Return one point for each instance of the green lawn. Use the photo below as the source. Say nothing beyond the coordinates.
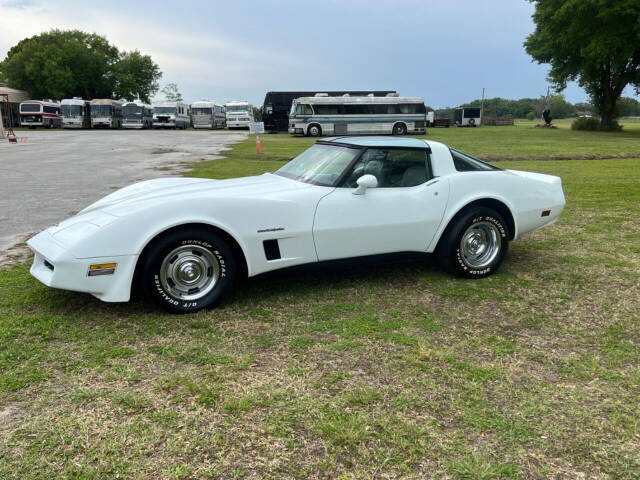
(382, 371)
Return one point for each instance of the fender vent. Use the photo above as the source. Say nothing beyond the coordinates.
(271, 249)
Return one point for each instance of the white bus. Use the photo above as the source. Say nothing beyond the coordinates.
(75, 113)
(137, 115)
(239, 114)
(40, 113)
(347, 115)
(206, 114)
(106, 112)
(467, 117)
(171, 115)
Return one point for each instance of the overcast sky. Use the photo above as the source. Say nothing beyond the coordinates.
(444, 51)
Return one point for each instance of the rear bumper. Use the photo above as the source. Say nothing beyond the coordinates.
(56, 267)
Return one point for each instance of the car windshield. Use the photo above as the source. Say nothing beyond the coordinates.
(320, 164)
(164, 110)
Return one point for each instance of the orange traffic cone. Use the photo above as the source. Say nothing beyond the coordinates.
(258, 145)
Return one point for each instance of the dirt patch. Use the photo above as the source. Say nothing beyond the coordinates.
(9, 415)
(18, 253)
(161, 151)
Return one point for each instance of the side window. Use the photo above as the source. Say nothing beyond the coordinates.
(467, 163)
(393, 168)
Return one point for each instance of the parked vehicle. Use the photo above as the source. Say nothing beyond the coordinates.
(106, 112)
(239, 114)
(347, 115)
(186, 241)
(171, 115)
(206, 114)
(40, 113)
(431, 117)
(75, 113)
(137, 115)
(277, 105)
(467, 117)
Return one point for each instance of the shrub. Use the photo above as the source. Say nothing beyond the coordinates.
(531, 116)
(593, 124)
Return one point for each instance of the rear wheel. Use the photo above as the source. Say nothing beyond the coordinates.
(475, 243)
(399, 129)
(187, 270)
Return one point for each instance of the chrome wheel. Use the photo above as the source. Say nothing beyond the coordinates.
(189, 272)
(480, 244)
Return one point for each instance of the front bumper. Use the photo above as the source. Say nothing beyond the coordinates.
(133, 125)
(56, 267)
(296, 131)
(168, 124)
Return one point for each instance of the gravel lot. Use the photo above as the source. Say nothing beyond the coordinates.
(57, 173)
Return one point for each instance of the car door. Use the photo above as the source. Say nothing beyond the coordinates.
(401, 214)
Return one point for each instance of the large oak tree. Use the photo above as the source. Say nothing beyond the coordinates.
(63, 64)
(593, 42)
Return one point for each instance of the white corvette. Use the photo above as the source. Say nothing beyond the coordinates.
(186, 241)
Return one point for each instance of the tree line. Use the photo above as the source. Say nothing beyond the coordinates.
(532, 107)
(71, 63)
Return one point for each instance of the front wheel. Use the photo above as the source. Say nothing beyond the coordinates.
(475, 243)
(187, 270)
(314, 131)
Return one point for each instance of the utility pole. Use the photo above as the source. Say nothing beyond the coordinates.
(482, 107)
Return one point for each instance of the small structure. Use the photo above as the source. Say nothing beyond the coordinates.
(15, 97)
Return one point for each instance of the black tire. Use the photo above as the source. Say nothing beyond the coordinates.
(470, 230)
(181, 245)
(314, 131)
(399, 129)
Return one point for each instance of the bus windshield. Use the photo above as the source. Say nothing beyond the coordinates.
(201, 111)
(320, 164)
(164, 110)
(100, 110)
(30, 107)
(237, 108)
(132, 111)
(71, 110)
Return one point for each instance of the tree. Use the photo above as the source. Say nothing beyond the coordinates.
(628, 107)
(136, 76)
(69, 63)
(593, 42)
(171, 92)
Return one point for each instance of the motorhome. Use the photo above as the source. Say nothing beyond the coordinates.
(239, 114)
(348, 115)
(206, 114)
(276, 106)
(40, 113)
(75, 113)
(106, 112)
(467, 117)
(171, 115)
(137, 115)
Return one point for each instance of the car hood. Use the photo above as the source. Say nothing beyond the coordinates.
(165, 189)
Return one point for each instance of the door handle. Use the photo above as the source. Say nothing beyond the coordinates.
(432, 181)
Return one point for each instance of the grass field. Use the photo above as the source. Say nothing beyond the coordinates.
(383, 371)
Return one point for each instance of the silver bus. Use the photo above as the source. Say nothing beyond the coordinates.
(106, 112)
(347, 115)
(206, 114)
(75, 113)
(137, 115)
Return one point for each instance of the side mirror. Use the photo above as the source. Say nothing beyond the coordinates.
(364, 182)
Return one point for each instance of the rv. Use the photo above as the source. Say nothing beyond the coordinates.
(171, 115)
(347, 115)
(206, 114)
(37, 113)
(467, 117)
(277, 105)
(75, 113)
(106, 113)
(137, 115)
(239, 114)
